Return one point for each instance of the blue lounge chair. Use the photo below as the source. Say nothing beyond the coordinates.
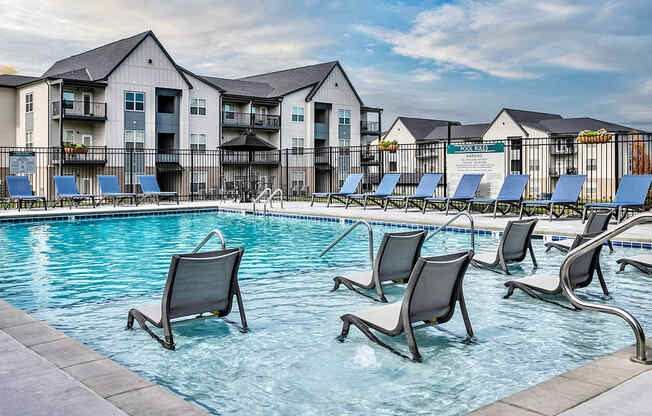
(631, 194)
(109, 189)
(566, 194)
(511, 194)
(465, 192)
(385, 189)
(20, 190)
(150, 188)
(67, 190)
(350, 185)
(425, 189)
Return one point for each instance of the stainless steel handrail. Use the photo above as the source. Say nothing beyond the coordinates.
(449, 222)
(345, 233)
(260, 196)
(641, 349)
(208, 237)
(271, 199)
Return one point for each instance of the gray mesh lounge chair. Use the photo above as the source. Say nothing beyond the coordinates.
(581, 275)
(434, 286)
(110, 189)
(150, 188)
(643, 262)
(196, 284)
(67, 190)
(514, 245)
(21, 191)
(394, 261)
(597, 223)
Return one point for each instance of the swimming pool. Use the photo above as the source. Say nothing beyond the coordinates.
(83, 276)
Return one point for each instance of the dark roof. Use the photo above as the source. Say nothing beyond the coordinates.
(16, 80)
(293, 79)
(421, 127)
(465, 131)
(245, 88)
(100, 62)
(524, 116)
(575, 125)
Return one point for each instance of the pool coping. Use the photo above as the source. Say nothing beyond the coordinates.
(110, 381)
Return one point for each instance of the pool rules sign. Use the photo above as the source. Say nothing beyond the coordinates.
(485, 158)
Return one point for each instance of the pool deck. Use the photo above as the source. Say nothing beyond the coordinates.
(43, 371)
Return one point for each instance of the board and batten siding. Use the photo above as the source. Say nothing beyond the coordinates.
(208, 124)
(8, 109)
(503, 127)
(291, 129)
(39, 120)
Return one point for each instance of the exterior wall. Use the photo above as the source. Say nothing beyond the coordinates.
(7, 116)
(289, 128)
(208, 124)
(400, 133)
(39, 119)
(503, 128)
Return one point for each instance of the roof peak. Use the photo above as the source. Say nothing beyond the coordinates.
(145, 33)
(336, 62)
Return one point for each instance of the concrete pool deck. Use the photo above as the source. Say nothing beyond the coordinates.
(43, 371)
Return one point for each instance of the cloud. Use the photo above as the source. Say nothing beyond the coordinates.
(424, 75)
(7, 70)
(521, 39)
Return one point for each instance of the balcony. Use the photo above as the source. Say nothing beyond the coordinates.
(163, 156)
(322, 158)
(555, 173)
(84, 157)
(428, 153)
(251, 120)
(271, 158)
(79, 110)
(321, 131)
(369, 127)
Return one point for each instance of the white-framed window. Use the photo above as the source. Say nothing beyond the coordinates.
(198, 182)
(297, 145)
(344, 117)
(68, 99)
(29, 102)
(298, 180)
(134, 139)
(592, 164)
(592, 186)
(298, 113)
(134, 101)
(87, 140)
(534, 165)
(68, 136)
(229, 114)
(198, 142)
(198, 106)
(29, 141)
(86, 185)
(344, 142)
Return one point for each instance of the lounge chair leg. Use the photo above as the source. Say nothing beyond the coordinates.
(364, 207)
(168, 343)
(584, 215)
(465, 316)
(345, 330)
(447, 203)
(312, 201)
(412, 344)
(611, 246)
(534, 260)
(603, 284)
(520, 217)
(552, 210)
(328, 201)
(346, 206)
(243, 318)
(495, 208)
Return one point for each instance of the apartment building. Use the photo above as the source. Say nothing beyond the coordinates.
(131, 94)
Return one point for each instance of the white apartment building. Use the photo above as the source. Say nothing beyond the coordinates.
(132, 94)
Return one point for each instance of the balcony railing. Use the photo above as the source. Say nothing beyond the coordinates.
(167, 156)
(85, 156)
(79, 110)
(555, 173)
(369, 127)
(322, 158)
(256, 121)
(321, 131)
(258, 158)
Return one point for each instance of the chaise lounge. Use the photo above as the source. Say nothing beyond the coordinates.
(21, 191)
(67, 191)
(631, 194)
(596, 224)
(566, 194)
(464, 193)
(109, 189)
(642, 262)
(150, 188)
(510, 195)
(425, 189)
(385, 189)
(348, 187)
(514, 245)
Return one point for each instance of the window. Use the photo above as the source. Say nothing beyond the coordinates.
(134, 139)
(134, 161)
(87, 140)
(298, 179)
(198, 184)
(393, 166)
(29, 102)
(592, 164)
(228, 112)
(534, 165)
(297, 113)
(134, 101)
(28, 139)
(68, 136)
(68, 99)
(198, 142)
(592, 186)
(344, 117)
(297, 145)
(198, 106)
(86, 186)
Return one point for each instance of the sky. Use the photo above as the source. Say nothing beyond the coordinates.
(459, 60)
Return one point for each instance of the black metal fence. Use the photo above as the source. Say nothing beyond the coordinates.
(216, 174)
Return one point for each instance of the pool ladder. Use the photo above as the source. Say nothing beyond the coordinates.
(641, 349)
(270, 198)
(210, 235)
(452, 220)
(347, 232)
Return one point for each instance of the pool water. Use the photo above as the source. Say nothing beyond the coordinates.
(82, 277)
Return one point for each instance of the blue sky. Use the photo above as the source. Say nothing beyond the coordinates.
(461, 60)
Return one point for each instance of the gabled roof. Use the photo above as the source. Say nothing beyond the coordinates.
(577, 124)
(290, 80)
(13, 81)
(524, 116)
(421, 127)
(244, 88)
(465, 131)
(100, 62)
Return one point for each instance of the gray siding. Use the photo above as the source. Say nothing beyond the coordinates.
(167, 123)
(134, 120)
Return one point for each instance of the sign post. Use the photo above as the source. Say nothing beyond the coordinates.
(485, 158)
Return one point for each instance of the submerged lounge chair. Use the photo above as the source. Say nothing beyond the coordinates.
(581, 275)
(511, 194)
(465, 192)
(67, 190)
(643, 262)
(434, 286)
(385, 189)
(150, 188)
(425, 189)
(567, 192)
(394, 261)
(596, 224)
(20, 190)
(196, 284)
(514, 245)
(348, 187)
(109, 188)
(631, 194)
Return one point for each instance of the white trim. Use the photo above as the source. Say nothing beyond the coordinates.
(124, 100)
(84, 136)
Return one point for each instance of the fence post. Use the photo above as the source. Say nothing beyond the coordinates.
(445, 168)
(287, 174)
(192, 172)
(616, 166)
(131, 169)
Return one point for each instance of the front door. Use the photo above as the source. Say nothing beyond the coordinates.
(88, 107)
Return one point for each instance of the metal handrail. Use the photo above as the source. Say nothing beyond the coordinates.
(449, 222)
(271, 199)
(260, 196)
(345, 233)
(641, 353)
(208, 237)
